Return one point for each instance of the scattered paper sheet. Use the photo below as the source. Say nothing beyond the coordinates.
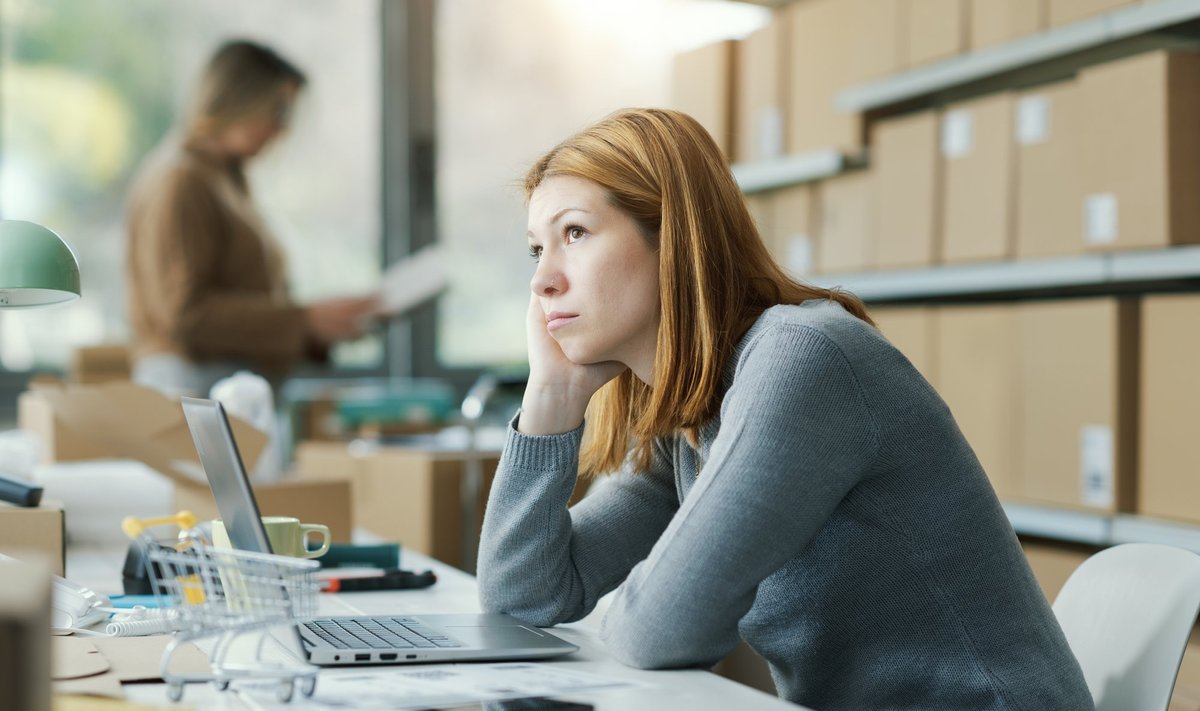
(411, 281)
(434, 686)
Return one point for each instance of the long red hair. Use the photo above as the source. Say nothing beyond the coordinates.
(715, 274)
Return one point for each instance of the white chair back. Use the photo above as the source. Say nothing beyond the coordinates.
(1127, 612)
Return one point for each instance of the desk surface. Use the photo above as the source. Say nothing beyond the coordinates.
(455, 592)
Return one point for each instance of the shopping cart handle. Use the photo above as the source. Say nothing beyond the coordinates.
(133, 526)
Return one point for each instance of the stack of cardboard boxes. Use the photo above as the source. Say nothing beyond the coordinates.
(1085, 403)
(1106, 161)
(120, 420)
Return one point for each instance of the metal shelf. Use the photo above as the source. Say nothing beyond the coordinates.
(1099, 529)
(1028, 51)
(1060, 524)
(1112, 269)
(788, 170)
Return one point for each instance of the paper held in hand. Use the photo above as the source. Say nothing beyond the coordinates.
(411, 281)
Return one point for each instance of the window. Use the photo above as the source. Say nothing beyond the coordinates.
(88, 88)
(512, 79)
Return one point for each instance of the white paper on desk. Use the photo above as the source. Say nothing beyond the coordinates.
(410, 281)
(432, 686)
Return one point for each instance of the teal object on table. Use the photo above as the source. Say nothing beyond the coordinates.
(37, 268)
(351, 555)
(423, 403)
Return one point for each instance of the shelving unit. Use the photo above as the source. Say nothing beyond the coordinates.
(781, 172)
(1054, 44)
(1090, 270)
(1053, 54)
(1099, 529)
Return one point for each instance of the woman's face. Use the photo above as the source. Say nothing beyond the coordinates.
(596, 275)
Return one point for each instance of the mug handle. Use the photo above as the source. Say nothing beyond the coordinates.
(307, 528)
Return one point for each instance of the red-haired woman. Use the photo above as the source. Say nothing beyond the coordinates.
(782, 474)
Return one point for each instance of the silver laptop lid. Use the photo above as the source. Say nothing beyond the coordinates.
(226, 476)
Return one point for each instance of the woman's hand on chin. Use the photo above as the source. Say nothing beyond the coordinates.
(559, 390)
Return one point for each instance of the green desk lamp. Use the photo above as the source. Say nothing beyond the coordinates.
(37, 268)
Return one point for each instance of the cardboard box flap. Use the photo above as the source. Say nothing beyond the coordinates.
(135, 422)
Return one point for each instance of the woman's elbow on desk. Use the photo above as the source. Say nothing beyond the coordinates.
(544, 613)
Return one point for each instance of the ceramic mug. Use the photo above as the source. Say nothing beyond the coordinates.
(287, 536)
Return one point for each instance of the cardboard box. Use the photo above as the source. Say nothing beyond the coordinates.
(762, 211)
(820, 65)
(92, 365)
(1049, 125)
(122, 421)
(792, 239)
(38, 529)
(977, 353)
(937, 30)
(1053, 562)
(702, 87)
(406, 494)
(1078, 421)
(1062, 12)
(1168, 485)
(846, 232)
(325, 502)
(995, 22)
(761, 91)
(412, 496)
(1141, 152)
(909, 184)
(912, 330)
(977, 165)
(879, 39)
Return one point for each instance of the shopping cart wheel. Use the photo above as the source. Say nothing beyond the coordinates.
(283, 692)
(175, 690)
(308, 685)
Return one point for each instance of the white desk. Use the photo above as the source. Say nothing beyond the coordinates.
(455, 592)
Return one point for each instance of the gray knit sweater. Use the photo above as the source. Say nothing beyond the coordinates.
(833, 516)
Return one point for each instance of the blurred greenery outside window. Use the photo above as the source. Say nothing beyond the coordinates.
(88, 88)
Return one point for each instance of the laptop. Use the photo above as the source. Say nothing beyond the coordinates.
(374, 639)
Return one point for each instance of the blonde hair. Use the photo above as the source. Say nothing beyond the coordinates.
(241, 80)
(715, 274)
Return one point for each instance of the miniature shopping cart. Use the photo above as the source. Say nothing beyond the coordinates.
(233, 596)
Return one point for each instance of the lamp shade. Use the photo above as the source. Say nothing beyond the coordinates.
(37, 268)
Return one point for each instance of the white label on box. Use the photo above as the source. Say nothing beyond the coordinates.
(799, 254)
(1033, 120)
(1100, 218)
(770, 132)
(958, 128)
(1096, 465)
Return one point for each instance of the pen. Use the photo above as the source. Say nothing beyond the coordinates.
(389, 580)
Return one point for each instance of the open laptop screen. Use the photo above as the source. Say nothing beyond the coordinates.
(226, 476)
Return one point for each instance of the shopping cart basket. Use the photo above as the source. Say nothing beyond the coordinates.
(229, 595)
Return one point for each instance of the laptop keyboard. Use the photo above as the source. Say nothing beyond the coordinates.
(379, 633)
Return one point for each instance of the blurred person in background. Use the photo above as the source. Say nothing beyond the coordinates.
(208, 293)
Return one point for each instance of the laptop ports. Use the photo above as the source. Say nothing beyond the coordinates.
(388, 657)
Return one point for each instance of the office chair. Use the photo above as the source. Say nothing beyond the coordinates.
(1127, 612)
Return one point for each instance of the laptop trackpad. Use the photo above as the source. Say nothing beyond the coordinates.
(495, 635)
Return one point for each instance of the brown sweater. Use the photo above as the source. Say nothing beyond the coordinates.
(206, 279)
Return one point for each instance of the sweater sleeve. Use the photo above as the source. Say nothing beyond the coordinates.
(544, 563)
(179, 257)
(796, 435)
